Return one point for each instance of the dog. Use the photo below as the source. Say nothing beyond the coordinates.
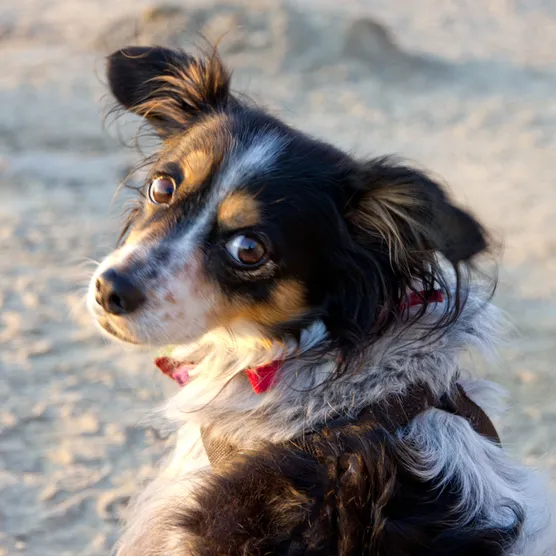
(313, 308)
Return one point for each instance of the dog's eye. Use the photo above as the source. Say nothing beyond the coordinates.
(161, 190)
(247, 250)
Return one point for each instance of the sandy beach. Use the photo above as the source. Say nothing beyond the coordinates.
(463, 89)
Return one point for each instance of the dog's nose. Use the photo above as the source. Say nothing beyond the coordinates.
(117, 294)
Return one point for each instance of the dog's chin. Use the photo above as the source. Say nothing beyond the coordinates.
(108, 329)
(121, 333)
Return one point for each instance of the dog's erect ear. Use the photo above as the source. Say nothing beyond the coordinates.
(406, 211)
(169, 88)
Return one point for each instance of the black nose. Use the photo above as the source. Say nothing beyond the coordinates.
(117, 294)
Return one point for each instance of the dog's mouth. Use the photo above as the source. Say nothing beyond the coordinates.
(107, 326)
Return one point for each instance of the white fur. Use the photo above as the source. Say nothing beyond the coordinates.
(445, 447)
(151, 530)
(440, 445)
(245, 161)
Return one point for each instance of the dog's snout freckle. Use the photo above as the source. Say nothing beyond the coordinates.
(170, 298)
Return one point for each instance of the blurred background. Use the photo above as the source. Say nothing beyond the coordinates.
(465, 89)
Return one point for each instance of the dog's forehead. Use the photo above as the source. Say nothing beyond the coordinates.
(236, 171)
(223, 154)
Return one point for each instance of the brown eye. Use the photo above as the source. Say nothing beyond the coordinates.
(161, 190)
(246, 250)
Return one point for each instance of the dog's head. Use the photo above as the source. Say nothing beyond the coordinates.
(244, 219)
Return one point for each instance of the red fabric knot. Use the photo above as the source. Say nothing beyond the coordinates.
(418, 298)
(262, 377)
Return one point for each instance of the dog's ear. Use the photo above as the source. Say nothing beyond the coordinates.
(408, 213)
(398, 220)
(167, 87)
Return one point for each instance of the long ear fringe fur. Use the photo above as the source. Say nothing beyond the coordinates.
(169, 88)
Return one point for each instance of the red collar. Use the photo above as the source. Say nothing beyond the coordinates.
(262, 377)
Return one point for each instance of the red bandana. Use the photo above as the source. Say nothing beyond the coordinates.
(262, 377)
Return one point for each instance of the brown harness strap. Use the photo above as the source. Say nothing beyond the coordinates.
(218, 449)
(461, 404)
(394, 413)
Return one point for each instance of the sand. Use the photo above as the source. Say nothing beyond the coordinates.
(464, 89)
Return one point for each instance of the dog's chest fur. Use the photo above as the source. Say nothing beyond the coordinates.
(434, 488)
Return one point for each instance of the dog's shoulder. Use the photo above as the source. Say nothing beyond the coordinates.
(348, 495)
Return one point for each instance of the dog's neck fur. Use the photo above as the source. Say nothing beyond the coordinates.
(302, 398)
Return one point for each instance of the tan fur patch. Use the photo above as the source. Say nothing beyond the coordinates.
(134, 237)
(390, 212)
(170, 298)
(197, 166)
(239, 210)
(286, 303)
(155, 230)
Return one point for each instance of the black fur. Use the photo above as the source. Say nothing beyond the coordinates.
(353, 498)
